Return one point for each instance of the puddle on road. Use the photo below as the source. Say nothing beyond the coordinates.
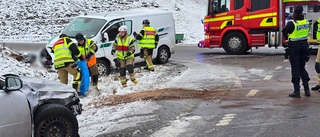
(159, 94)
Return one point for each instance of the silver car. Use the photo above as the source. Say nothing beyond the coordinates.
(37, 107)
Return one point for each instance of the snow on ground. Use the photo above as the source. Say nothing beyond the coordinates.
(95, 121)
(38, 21)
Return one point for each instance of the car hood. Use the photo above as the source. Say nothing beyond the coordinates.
(39, 91)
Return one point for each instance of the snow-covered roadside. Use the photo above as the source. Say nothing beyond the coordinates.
(95, 121)
(38, 21)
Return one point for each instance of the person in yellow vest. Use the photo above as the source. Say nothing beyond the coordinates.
(317, 64)
(88, 48)
(296, 34)
(65, 54)
(148, 40)
(124, 49)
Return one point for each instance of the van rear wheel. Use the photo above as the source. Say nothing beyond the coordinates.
(163, 55)
(235, 43)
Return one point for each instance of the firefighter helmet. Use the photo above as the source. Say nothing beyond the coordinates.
(123, 28)
(146, 21)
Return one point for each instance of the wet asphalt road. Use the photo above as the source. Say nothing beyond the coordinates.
(255, 104)
(253, 101)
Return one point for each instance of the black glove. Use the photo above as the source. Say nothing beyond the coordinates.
(141, 53)
(89, 55)
(113, 51)
(129, 53)
(81, 57)
(135, 34)
(287, 53)
(156, 45)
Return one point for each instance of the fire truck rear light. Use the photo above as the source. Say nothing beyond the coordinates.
(206, 37)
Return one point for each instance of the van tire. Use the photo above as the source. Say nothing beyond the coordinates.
(103, 68)
(163, 55)
(239, 41)
(55, 119)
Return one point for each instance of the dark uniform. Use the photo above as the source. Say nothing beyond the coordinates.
(148, 40)
(65, 53)
(297, 32)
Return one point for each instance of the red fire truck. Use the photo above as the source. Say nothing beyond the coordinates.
(239, 25)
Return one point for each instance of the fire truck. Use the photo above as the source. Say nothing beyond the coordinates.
(240, 25)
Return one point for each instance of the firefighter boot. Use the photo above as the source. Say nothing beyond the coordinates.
(317, 87)
(295, 94)
(133, 78)
(123, 80)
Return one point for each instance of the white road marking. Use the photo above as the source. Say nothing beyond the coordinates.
(268, 77)
(252, 93)
(286, 60)
(279, 67)
(226, 120)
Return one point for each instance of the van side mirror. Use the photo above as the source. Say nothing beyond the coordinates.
(105, 37)
(12, 84)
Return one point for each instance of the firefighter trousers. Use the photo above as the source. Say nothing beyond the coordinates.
(126, 64)
(94, 73)
(147, 54)
(73, 70)
(298, 57)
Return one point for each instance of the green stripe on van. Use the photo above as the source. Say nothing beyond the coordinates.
(105, 45)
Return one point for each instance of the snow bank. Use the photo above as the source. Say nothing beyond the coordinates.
(38, 21)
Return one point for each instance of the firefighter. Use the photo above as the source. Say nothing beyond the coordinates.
(123, 47)
(65, 52)
(148, 40)
(317, 64)
(296, 34)
(88, 48)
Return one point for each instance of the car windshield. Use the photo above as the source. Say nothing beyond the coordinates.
(89, 27)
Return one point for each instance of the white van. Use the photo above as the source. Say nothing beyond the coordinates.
(103, 28)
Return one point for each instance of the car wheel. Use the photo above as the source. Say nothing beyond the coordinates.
(55, 120)
(103, 67)
(235, 43)
(163, 55)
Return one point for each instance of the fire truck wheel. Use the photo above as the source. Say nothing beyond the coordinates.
(235, 43)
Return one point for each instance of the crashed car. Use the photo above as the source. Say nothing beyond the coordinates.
(37, 106)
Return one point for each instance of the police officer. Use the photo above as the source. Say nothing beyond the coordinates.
(123, 47)
(148, 40)
(64, 51)
(296, 34)
(88, 48)
(317, 64)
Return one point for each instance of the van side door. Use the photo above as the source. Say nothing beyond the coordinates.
(15, 113)
(112, 32)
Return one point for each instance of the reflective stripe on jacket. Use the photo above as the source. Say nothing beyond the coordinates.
(86, 49)
(62, 53)
(123, 46)
(301, 30)
(148, 40)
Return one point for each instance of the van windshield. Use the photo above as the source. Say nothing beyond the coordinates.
(89, 27)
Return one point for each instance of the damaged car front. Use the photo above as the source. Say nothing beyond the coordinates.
(41, 91)
(54, 107)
